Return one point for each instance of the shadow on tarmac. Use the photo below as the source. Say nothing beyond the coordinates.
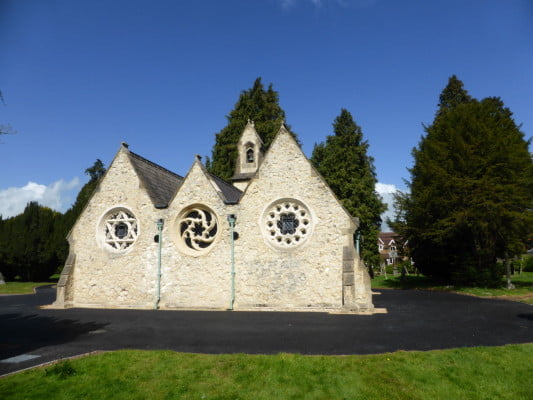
(22, 334)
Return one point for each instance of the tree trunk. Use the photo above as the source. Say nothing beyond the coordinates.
(508, 272)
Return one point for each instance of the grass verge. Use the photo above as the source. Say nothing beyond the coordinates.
(523, 286)
(469, 373)
(21, 287)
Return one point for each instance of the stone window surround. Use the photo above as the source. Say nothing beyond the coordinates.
(176, 234)
(250, 156)
(267, 231)
(101, 230)
(249, 146)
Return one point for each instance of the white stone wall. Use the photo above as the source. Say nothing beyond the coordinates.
(308, 276)
(104, 278)
(202, 280)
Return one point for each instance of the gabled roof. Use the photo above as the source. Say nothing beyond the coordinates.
(160, 183)
(249, 134)
(231, 195)
(388, 238)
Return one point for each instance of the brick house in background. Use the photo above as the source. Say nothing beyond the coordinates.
(391, 248)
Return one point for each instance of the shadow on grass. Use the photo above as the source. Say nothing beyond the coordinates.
(407, 282)
(520, 284)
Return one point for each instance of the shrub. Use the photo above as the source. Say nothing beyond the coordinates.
(527, 265)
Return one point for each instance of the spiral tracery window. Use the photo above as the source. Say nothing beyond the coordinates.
(120, 229)
(287, 223)
(198, 228)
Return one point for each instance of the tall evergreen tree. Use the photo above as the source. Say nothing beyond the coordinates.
(257, 104)
(344, 163)
(28, 246)
(453, 94)
(471, 191)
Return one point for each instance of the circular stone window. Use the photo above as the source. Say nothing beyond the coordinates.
(120, 229)
(287, 223)
(197, 228)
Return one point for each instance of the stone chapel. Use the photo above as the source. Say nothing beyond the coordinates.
(276, 238)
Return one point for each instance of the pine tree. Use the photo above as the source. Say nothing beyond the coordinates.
(344, 163)
(471, 191)
(256, 104)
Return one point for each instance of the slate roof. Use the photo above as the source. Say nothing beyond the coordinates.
(160, 183)
(231, 194)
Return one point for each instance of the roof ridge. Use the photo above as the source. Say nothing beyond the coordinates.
(154, 164)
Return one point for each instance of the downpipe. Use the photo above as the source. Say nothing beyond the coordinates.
(231, 219)
(159, 240)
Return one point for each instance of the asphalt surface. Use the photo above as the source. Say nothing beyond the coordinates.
(416, 320)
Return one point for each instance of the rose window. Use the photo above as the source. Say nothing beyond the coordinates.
(198, 228)
(120, 229)
(288, 223)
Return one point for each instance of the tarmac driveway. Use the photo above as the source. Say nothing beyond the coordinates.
(416, 320)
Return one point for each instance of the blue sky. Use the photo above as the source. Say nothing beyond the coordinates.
(78, 77)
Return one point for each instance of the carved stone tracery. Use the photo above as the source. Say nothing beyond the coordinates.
(120, 229)
(288, 223)
(198, 228)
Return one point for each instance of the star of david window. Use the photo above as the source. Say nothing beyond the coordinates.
(120, 229)
(198, 228)
(287, 223)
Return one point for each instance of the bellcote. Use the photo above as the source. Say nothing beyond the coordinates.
(250, 154)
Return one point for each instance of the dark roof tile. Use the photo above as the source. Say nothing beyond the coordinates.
(160, 183)
(231, 194)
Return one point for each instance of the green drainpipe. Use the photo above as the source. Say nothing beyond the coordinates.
(159, 244)
(231, 219)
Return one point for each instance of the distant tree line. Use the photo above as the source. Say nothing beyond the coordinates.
(33, 244)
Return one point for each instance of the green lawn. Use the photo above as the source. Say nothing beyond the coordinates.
(470, 373)
(21, 287)
(523, 286)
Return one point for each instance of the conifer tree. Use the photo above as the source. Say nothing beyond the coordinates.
(344, 163)
(452, 95)
(28, 248)
(256, 104)
(471, 191)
